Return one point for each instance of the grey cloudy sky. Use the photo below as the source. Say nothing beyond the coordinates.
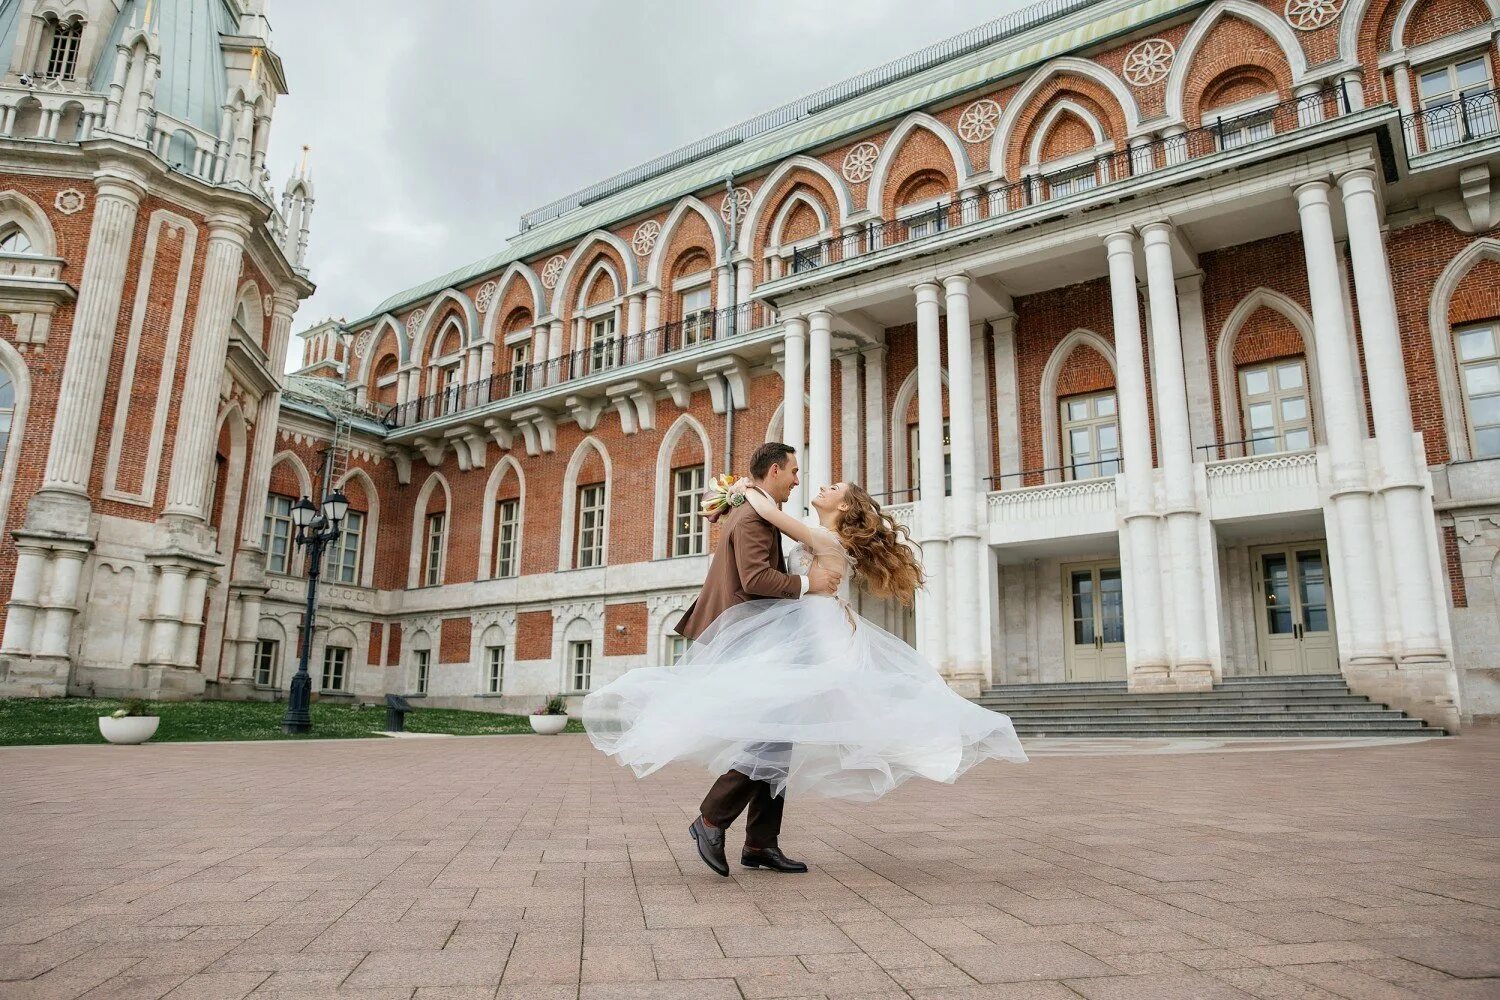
(435, 125)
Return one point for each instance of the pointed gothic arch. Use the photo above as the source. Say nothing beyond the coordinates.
(368, 547)
(416, 552)
(487, 525)
(515, 271)
(1065, 66)
(897, 436)
(1051, 373)
(760, 203)
(565, 552)
(435, 312)
(1455, 419)
(1278, 30)
(662, 519)
(962, 168)
(669, 228)
(1228, 376)
(583, 253)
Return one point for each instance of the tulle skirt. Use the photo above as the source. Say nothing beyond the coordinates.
(803, 694)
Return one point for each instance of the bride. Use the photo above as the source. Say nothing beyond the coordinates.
(805, 694)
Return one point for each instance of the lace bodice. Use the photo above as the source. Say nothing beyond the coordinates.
(825, 546)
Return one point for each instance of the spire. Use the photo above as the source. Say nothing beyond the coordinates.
(302, 168)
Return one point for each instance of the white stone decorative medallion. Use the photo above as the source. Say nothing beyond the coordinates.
(979, 121)
(859, 162)
(644, 240)
(485, 296)
(1149, 62)
(414, 321)
(735, 205)
(362, 344)
(552, 270)
(268, 302)
(1310, 15)
(69, 201)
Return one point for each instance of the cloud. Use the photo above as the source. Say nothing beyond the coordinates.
(435, 126)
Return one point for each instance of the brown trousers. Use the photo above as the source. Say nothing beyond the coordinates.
(729, 797)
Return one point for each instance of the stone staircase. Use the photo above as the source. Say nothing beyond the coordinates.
(1309, 705)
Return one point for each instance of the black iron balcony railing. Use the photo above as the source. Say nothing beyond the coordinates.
(601, 356)
(1140, 159)
(1474, 115)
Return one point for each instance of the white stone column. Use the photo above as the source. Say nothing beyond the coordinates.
(1195, 359)
(62, 602)
(1349, 488)
(725, 276)
(554, 372)
(819, 403)
(744, 286)
(932, 533)
(192, 618)
(963, 509)
(1007, 403)
(653, 309)
(793, 413)
(850, 430)
(1408, 516)
(1176, 455)
(248, 634)
(875, 420)
(1144, 637)
(171, 587)
(25, 600)
(70, 458)
(635, 316)
(193, 448)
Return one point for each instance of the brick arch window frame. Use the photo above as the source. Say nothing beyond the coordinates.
(902, 488)
(1071, 174)
(663, 515)
(490, 527)
(1450, 388)
(1273, 26)
(417, 555)
(445, 371)
(599, 330)
(369, 529)
(15, 400)
(800, 254)
(295, 562)
(1231, 405)
(567, 550)
(1051, 403)
(925, 216)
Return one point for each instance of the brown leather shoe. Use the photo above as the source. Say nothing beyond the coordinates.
(710, 842)
(772, 858)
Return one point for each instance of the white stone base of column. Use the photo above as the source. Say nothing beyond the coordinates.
(151, 681)
(1189, 677)
(1426, 690)
(34, 676)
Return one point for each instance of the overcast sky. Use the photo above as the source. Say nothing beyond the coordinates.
(433, 126)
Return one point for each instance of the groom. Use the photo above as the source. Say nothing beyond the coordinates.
(749, 565)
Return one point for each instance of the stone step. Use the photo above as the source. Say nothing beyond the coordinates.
(1252, 681)
(1310, 728)
(1249, 732)
(1164, 701)
(1031, 717)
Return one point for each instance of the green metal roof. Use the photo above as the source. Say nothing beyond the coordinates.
(193, 84)
(1089, 25)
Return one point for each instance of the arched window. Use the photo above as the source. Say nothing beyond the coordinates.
(7, 411)
(1276, 414)
(493, 645)
(1478, 352)
(62, 57)
(13, 239)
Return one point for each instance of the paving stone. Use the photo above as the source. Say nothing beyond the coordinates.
(1021, 962)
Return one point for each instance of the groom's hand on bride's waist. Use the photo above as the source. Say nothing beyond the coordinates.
(822, 580)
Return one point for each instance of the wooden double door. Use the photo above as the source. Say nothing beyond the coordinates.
(1294, 610)
(1094, 610)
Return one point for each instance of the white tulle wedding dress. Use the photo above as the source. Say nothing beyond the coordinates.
(804, 694)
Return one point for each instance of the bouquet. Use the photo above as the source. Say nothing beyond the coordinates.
(725, 491)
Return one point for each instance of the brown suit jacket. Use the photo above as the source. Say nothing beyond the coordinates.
(748, 565)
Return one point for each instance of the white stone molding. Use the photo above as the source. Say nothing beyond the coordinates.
(144, 493)
(70, 201)
(900, 474)
(485, 297)
(369, 549)
(538, 426)
(552, 269)
(658, 259)
(234, 480)
(645, 237)
(1005, 133)
(20, 377)
(1148, 62)
(19, 210)
(607, 268)
(1063, 107)
(1455, 417)
(1310, 15)
(1051, 373)
(663, 611)
(1230, 420)
(979, 120)
(635, 403)
(875, 195)
(490, 330)
(736, 373)
(763, 194)
(416, 553)
(662, 520)
(859, 162)
(468, 325)
(569, 500)
(778, 223)
(581, 253)
(414, 322)
(735, 204)
(1354, 18)
(1257, 15)
(487, 527)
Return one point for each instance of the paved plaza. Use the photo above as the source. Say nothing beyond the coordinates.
(532, 867)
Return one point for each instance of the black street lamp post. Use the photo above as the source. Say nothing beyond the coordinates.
(316, 530)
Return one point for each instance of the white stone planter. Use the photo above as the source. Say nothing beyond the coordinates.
(129, 729)
(549, 725)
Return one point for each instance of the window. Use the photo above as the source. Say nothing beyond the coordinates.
(435, 527)
(344, 554)
(1070, 182)
(520, 359)
(604, 347)
(1479, 370)
(424, 662)
(1274, 396)
(677, 646)
(1459, 102)
(914, 459)
(926, 223)
(14, 240)
(62, 60)
(507, 536)
(1091, 436)
(267, 656)
(7, 411)
(590, 526)
(494, 668)
(581, 664)
(276, 539)
(450, 388)
(1242, 130)
(335, 667)
(687, 526)
(697, 317)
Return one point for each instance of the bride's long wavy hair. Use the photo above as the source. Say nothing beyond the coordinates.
(880, 547)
